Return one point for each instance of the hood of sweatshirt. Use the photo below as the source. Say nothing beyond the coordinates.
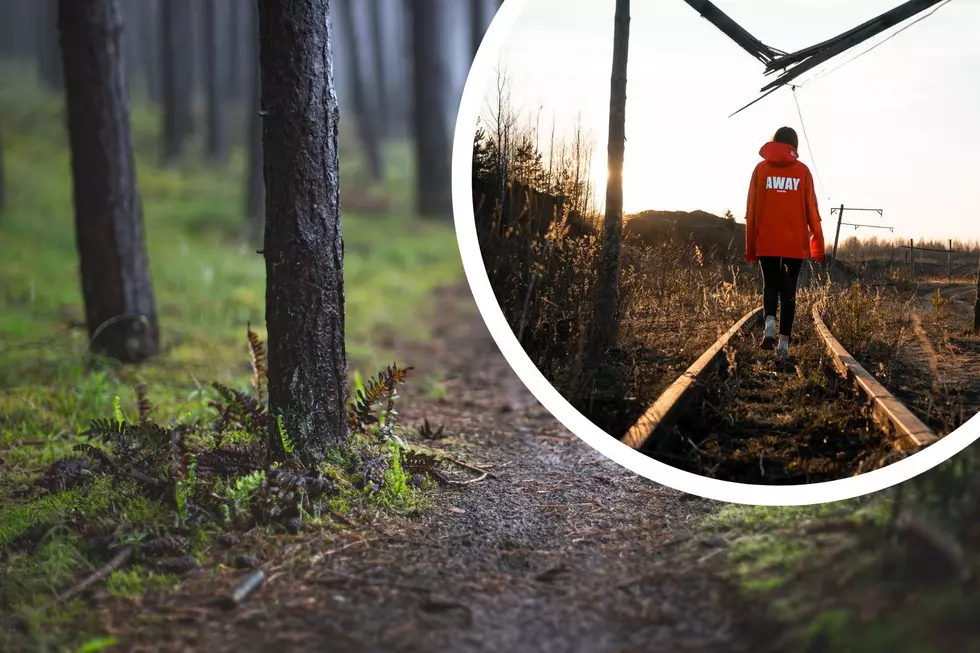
(779, 154)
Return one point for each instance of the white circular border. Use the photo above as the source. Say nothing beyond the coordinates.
(572, 419)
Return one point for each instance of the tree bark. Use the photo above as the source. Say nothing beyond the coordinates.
(304, 249)
(177, 77)
(119, 304)
(429, 82)
(215, 74)
(382, 111)
(255, 182)
(607, 285)
(366, 122)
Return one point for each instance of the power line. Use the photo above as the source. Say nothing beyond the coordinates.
(880, 43)
(809, 147)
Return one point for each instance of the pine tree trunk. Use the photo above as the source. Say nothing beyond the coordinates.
(255, 182)
(233, 89)
(150, 49)
(476, 25)
(382, 111)
(366, 122)
(215, 74)
(49, 66)
(119, 305)
(429, 83)
(177, 77)
(607, 285)
(304, 249)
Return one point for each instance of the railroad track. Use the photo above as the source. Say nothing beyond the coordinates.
(740, 414)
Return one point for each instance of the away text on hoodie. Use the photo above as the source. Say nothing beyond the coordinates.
(782, 218)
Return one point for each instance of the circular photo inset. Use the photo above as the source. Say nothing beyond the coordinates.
(659, 256)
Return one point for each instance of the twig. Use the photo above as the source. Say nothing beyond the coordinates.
(483, 473)
(117, 561)
(323, 554)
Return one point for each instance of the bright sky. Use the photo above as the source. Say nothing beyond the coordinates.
(896, 129)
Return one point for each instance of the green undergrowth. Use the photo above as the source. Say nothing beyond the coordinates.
(80, 435)
(855, 576)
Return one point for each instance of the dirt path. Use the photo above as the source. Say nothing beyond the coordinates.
(953, 352)
(560, 550)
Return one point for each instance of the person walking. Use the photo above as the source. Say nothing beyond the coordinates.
(782, 229)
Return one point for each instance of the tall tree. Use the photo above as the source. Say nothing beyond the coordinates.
(382, 111)
(234, 86)
(255, 182)
(119, 304)
(607, 285)
(49, 66)
(357, 71)
(304, 249)
(146, 26)
(176, 19)
(429, 86)
(477, 24)
(215, 77)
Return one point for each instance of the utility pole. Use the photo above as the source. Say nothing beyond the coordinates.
(840, 221)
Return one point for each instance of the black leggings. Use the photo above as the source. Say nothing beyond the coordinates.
(779, 277)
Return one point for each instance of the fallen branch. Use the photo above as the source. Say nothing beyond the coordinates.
(102, 573)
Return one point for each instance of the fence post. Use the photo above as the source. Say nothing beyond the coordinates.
(949, 263)
(911, 260)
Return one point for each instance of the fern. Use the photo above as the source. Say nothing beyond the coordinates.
(287, 444)
(143, 405)
(382, 389)
(117, 411)
(257, 351)
(239, 408)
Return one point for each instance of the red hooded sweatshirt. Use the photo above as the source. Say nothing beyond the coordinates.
(782, 218)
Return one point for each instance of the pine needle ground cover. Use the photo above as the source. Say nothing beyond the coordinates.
(151, 464)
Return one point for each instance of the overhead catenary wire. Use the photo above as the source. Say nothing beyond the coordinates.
(809, 147)
(823, 73)
(772, 88)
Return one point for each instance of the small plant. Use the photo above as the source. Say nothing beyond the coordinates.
(940, 306)
(287, 444)
(184, 488)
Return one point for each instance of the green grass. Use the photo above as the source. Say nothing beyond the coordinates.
(209, 284)
(833, 579)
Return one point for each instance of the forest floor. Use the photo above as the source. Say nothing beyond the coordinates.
(556, 549)
(559, 549)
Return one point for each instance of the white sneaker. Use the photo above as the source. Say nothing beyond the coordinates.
(769, 336)
(782, 349)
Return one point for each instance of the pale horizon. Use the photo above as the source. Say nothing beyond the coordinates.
(894, 129)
